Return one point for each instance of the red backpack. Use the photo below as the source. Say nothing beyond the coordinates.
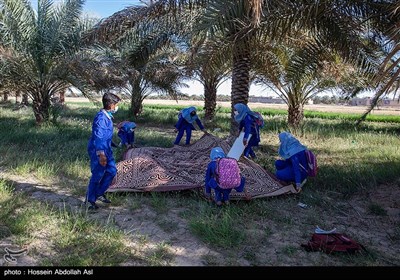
(228, 173)
(259, 119)
(331, 243)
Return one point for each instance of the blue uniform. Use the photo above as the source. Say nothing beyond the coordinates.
(127, 137)
(250, 127)
(289, 169)
(246, 119)
(211, 183)
(100, 141)
(183, 125)
(126, 133)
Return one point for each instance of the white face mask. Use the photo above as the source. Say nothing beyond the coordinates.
(115, 110)
(235, 113)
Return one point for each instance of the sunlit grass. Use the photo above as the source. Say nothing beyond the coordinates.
(70, 238)
(352, 160)
(218, 228)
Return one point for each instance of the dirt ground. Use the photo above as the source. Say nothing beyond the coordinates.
(379, 233)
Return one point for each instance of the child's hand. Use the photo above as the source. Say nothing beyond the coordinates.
(245, 142)
(175, 130)
(102, 159)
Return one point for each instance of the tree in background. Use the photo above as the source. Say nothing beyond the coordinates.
(284, 69)
(39, 48)
(338, 26)
(386, 22)
(148, 55)
(209, 64)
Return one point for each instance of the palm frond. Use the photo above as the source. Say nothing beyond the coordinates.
(17, 23)
(115, 26)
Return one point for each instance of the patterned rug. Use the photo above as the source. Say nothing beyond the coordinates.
(183, 167)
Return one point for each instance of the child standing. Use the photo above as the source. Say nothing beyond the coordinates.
(246, 120)
(102, 162)
(212, 179)
(185, 124)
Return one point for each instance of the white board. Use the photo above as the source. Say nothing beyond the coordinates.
(237, 148)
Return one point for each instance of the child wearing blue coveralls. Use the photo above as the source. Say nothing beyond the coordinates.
(126, 132)
(221, 195)
(102, 162)
(185, 123)
(293, 153)
(246, 119)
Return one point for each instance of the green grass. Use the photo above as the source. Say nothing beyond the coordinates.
(352, 161)
(159, 202)
(343, 151)
(308, 114)
(217, 227)
(377, 210)
(68, 238)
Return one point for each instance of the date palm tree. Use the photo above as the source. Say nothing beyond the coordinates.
(386, 22)
(120, 22)
(284, 69)
(209, 64)
(39, 45)
(157, 72)
(339, 25)
(148, 57)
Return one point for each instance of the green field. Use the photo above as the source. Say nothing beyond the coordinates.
(354, 163)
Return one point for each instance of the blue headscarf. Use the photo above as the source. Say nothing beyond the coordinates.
(217, 152)
(289, 145)
(186, 114)
(243, 110)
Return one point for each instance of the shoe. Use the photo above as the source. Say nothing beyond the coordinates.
(104, 199)
(226, 203)
(219, 203)
(93, 206)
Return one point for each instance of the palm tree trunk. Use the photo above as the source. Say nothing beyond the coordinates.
(5, 96)
(25, 99)
(240, 80)
(136, 98)
(17, 95)
(136, 105)
(41, 107)
(295, 115)
(62, 96)
(210, 98)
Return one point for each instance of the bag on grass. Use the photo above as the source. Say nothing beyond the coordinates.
(331, 243)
